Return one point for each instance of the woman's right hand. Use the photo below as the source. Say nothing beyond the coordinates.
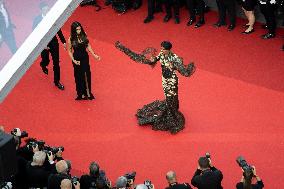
(77, 62)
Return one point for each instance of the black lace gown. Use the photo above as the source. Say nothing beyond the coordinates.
(82, 72)
(163, 115)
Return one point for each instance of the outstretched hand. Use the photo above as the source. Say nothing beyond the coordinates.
(97, 57)
(77, 62)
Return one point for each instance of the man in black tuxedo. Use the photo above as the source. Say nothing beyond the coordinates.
(153, 6)
(223, 7)
(268, 8)
(173, 183)
(194, 5)
(6, 28)
(52, 48)
(207, 176)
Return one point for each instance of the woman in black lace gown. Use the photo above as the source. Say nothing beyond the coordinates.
(79, 43)
(163, 115)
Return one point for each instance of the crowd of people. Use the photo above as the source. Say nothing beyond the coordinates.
(197, 9)
(40, 166)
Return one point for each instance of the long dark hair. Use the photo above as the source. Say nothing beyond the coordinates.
(75, 36)
(248, 174)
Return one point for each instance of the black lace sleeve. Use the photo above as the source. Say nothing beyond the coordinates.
(140, 58)
(185, 70)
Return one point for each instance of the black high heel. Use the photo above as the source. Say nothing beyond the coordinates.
(81, 98)
(91, 97)
(249, 32)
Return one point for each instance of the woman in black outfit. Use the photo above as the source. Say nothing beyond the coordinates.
(246, 181)
(78, 42)
(248, 8)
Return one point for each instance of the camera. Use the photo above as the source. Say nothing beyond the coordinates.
(33, 143)
(53, 150)
(74, 180)
(243, 164)
(23, 133)
(130, 178)
(207, 155)
(148, 183)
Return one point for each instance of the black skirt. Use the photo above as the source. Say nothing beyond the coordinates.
(248, 5)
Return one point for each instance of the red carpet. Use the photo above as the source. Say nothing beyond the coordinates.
(233, 104)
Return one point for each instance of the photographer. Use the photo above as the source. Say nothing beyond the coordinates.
(62, 169)
(173, 183)
(207, 176)
(95, 179)
(21, 155)
(36, 173)
(246, 181)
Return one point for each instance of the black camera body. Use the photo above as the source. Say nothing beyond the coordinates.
(23, 133)
(74, 180)
(243, 164)
(5, 185)
(35, 143)
(148, 183)
(207, 155)
(130, 178)
(53, 150)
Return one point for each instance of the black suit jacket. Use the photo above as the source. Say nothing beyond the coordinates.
(86, 181)
(209, 179)
(54, 40)
(36, 176)
(2, 22)
(54, 180)
(179, 186)
(258, 185)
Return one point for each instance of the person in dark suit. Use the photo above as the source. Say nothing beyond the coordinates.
(95, 178)
(52, 48)
(223, 7)
(153, 6)
(207, 176)
(169, 5)
(267, 8)
(6, 28)
(246, 181)
(194, 5)
(54, 180)
(36, 173)
(173, 183)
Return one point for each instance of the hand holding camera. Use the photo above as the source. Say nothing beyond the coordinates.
(50, 156)
(149, 184)
(35, 148)
(208, 156)
(75, 182)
